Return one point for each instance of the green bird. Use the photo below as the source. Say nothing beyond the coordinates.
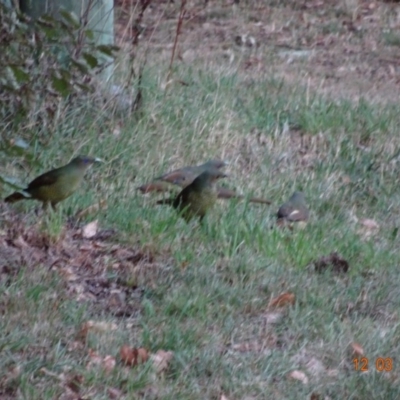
(198, 197)
(185, 176)
(57, 184)
(181, 177)
(294, 210)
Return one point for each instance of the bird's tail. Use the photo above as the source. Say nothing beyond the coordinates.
(168, 202)
(16, 196)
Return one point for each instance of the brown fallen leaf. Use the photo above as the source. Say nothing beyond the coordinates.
(14, 372)
(86, 247)
(161, 360)
(334, 262)
(20, 243)
(128, 355)
(357, 349)
(107, 363)
(90, 229)
(75, 345)
(300, 376)
(132, 356)
(143, 355)
(95, 358)
(68, 274)
(282, 300)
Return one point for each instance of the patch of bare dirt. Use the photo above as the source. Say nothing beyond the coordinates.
(94, 269)
(347, 49)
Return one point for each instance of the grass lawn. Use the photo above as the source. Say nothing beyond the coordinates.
(204, 292)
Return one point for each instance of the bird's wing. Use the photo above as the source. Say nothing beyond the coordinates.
(45, 179)
(295, 215)
(181, 177)
(292, 213)
(183, 197)
(284, 211)
(156, 186)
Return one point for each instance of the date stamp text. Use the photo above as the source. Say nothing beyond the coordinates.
(381, 364)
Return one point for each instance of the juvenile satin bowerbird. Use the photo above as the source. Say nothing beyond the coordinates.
(185, 176)
(198, 197)
(181, 177)
(55, 185)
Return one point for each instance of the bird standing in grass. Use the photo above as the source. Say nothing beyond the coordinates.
(185, 176)
(294, 210)
(181, 177)
(198, 197)
(57, 184)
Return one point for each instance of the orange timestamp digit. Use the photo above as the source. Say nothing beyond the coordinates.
(381, 364)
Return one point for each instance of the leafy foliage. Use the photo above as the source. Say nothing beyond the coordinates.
(44, 65)
(45, 62)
